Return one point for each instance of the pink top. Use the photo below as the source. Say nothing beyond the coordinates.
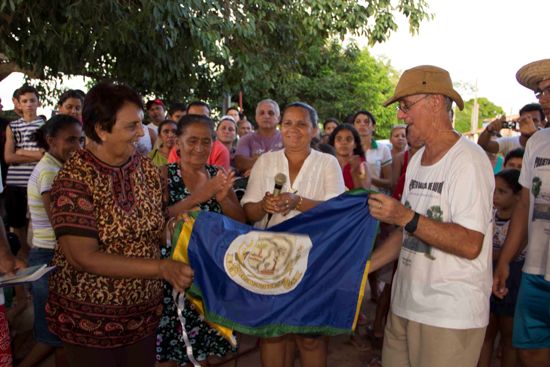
(219, 155)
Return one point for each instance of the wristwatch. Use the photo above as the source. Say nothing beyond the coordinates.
(411, 226)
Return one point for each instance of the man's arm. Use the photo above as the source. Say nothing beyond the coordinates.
(388, 251)
(243, 163)
(515, 239)
(448, 237)
(21, 155)
(484, 139)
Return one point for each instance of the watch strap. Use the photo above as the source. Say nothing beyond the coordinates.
(411, 226)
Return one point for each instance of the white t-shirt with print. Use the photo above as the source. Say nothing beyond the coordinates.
(433, 287)
(535, 176)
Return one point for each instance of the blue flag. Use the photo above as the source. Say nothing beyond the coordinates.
(305, 275)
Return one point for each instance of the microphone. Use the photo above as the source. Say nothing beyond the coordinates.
(280, 180)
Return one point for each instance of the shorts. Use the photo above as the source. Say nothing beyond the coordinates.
(16, 206)
(39, 291)
(507, 305)
(532, 318)
(409, 343)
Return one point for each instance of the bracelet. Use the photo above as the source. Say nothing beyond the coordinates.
(297, 207)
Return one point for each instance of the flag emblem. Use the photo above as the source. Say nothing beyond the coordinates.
(267, 262)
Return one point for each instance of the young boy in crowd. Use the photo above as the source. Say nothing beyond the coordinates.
(22, 155)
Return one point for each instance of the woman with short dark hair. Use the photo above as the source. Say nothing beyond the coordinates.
(104, 298)
(70, 103)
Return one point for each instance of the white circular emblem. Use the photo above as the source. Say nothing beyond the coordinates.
(267, 262)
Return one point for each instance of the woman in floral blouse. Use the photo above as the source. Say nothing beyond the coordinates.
(107, 213)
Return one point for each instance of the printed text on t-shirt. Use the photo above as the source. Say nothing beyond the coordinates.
(432, 186)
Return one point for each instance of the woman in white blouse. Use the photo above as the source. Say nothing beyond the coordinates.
(312, 177)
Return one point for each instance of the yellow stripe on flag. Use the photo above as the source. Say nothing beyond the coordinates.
(180, 251)
(361, 295)
(181, 254)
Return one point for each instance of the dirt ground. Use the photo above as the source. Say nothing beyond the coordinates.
(342, 353)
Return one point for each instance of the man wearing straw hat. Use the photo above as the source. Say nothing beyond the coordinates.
(531, 218)
(440, 294)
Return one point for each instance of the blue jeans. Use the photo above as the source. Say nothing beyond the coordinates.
(39, 291)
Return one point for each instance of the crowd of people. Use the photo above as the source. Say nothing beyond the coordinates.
(92, 189)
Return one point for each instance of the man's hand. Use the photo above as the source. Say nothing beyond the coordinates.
(527, 126)
(496, 124)
(500, 275)
(388, 210)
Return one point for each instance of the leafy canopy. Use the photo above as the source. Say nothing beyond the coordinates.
(339, 81)
(176, 49)
(487, 110)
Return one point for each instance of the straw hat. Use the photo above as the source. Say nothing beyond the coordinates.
(425, 79)
(533, 73)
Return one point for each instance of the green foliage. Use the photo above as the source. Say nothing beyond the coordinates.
(338, 81)
(183, 49)
(487, 110)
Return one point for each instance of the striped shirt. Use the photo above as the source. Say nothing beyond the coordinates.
(19, 173)
(40, 182)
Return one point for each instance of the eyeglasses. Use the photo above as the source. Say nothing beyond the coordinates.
(543, 93)
(403, 107)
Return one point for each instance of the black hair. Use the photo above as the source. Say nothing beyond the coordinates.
(329, 120)
(101, 105)
(71, 93)
(241, 115)
(310, 110)
(166, 122)
(188, 120)
(514, 153)
(26, 89)
(358, 150)
(511, 176)
(533, 107)
(199, 103)
(326, 148)
(51, 128)
(364, 112)
(174, 107)
(81, 93)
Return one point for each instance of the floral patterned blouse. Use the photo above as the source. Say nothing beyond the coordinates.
(122, 208)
